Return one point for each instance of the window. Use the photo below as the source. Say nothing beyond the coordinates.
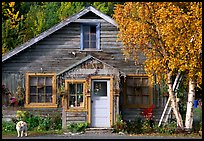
(138, 92)
(76, 93)
(40, 90)
(90, 36)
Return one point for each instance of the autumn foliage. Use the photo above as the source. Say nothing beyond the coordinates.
(169, 34)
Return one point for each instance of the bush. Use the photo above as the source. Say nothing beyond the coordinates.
(8, 126)
(146, 126)
(77, 127)
(134, 126)
(44, 124)
(170, 128)
(197, 119)
(40, 123)
(119, 125)
(56, 122)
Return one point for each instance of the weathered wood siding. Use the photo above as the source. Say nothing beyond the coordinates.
(54, 53)
(76, 117)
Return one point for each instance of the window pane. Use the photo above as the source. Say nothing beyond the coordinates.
(72, 102)
(41, 80)
(145, 91)
(41, 90)
(48, 81)
(80, 100)
(33, 98)
(79, 88)
(49, 89)
(86, 36)
(134, 100)
(93, 37)
(145, 100)
(89, 36)
(40, 99)
(33, 89)
(48, 97)
(138, 90)
(100, 88)
(33, 81)
(145, 81)
(72, 89)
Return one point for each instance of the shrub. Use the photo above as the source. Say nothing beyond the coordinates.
(56, 122)
(197, 119)
(8, 126)
(134, 126)
(170, 128)
(119, 125)
(146, 126)
(77, 127)
(44, 124)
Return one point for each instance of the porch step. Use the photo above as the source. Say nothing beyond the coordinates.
(99, 130)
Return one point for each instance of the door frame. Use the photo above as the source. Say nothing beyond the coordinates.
(111, 96)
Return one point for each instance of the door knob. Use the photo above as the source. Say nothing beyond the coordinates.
(91, 101)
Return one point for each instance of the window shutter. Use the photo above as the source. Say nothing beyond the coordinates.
(98, 36)
(81, 38)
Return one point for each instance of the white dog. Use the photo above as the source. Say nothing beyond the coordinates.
(22, 128)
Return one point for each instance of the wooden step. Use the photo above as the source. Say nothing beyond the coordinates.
(99, 130)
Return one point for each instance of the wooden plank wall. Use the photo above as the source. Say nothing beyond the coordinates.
(54, 53)
(76, 117)
(12, 80)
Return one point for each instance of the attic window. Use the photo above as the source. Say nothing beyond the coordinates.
(90, 37)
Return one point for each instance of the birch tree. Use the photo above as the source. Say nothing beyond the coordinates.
(160, 31)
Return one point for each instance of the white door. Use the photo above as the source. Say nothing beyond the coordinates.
(100, 103)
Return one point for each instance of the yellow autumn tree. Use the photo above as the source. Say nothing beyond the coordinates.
(169, 35)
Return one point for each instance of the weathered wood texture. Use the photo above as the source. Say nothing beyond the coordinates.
(45, 111)
(76, 117)
(55, 52)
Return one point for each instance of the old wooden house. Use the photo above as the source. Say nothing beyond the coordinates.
(81, 56)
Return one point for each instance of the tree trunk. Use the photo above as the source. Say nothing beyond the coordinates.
(174, 104)
(189, 112)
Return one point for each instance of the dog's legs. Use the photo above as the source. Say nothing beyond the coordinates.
(26, 133)
(21, 133)
(18, 133)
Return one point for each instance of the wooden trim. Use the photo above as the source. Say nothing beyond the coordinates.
(111, 101)
(66, 102)
(150, 92)
(76, 110)
(89, 101)
(40, 105)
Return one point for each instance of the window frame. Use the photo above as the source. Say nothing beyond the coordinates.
(29, 104)
(66, 98)
(150, 92)
(98, 28)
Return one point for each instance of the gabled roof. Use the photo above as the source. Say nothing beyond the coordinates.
(57, 27)
(82, 61)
